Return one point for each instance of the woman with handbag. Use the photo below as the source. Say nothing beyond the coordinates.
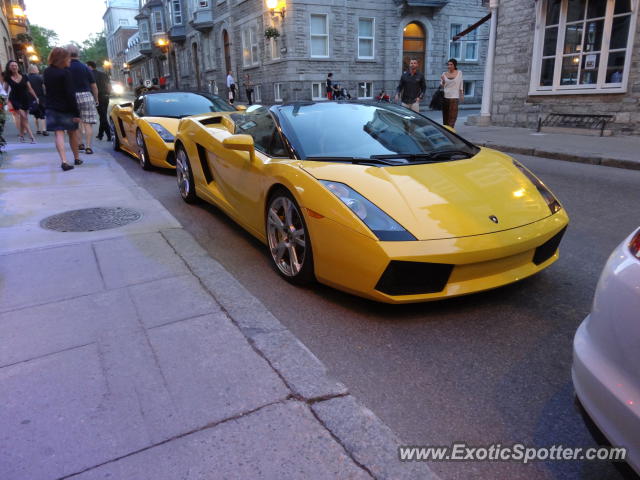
(451, 81)
(19, 96)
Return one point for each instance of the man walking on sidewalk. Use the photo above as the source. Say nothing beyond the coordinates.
(412, 87)
(104, 92)
(86, 96)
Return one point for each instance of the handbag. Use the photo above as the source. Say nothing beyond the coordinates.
(437, 100)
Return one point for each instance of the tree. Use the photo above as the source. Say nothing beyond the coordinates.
(44, 40)
(95, 48)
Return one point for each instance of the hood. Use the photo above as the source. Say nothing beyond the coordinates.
(170, 124)
(448, 199)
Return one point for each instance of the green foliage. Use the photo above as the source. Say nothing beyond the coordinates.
(94, 48)
(43, 41)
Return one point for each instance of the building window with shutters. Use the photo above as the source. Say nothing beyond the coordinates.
(583, 46)
(250, 47)
(177, 11)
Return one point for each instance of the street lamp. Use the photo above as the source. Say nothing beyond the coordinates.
(276, 6)
(34, 58)
(30, 49)
(106, 64)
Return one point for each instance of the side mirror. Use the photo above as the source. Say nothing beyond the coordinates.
(240, 142)
(241, 108)
(451, 129)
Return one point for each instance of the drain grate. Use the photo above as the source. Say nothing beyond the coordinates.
(91, 219)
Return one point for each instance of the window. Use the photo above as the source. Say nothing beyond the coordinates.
(366, 35)
(177, 11)
(469, 87)
(258, 123)
(207, 50)
(274, 48)
(257, 94)
(319, 36)
(250, 47)
(144, 31)
(465, 49)
(203, 3)
(365, 90)
(277, 92)
(318, 91)
(158, 27)
(583, 46)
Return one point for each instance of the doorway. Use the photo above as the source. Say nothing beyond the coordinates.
(227, 51)
(196, 65)
(414, 43)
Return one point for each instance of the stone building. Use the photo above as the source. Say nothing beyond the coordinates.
(364, 44)
(567, 57)
(6, 45)
(14, 30)
(119, 24)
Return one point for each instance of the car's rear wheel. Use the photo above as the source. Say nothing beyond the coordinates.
(115, 141)
(288, 238)
(184, 175)
(143, 154)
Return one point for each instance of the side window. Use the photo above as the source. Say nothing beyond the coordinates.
(277, 146)
(259, 124)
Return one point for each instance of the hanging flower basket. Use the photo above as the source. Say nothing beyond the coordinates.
(271, 32)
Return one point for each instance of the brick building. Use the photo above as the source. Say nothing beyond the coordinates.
(195, 42)
(561, 56)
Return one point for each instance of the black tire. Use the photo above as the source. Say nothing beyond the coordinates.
(285, 245)
(184, 176)
(115, 140)
(143, 154)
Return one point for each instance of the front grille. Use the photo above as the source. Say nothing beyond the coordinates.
(414, 278)
(545, 251)
(171, 158)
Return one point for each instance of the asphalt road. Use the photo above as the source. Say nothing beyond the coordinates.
(487, 368)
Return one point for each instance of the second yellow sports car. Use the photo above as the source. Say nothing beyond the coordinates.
(147, 127)
(371, 199)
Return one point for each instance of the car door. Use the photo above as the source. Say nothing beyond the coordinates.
(241, 179)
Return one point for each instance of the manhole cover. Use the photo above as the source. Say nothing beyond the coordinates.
(91, 219)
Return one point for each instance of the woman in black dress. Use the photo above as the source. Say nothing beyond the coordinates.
(19, 96)
(37, 108)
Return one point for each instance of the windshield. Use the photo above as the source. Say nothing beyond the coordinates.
(183, 104)
(355, 130)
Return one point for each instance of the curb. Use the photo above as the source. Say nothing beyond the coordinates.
(367, 440)
(567, 157)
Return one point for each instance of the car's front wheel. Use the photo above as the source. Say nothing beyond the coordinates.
(288, 238)
(184, 175)
(143, 154)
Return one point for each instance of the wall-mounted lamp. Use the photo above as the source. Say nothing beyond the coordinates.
(276, 6)
(125, 65)
(18, 12)
(30, 49)
(34, 59)
(106, 64)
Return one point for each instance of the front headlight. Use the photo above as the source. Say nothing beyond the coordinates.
(382, 225)
(165, 134)
(552, 201)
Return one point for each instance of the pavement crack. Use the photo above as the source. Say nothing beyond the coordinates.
(39, 357)
(177, 437)
(95, 256)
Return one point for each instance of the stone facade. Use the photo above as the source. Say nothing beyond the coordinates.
(120, 25)
(513, 105)
(198, 58)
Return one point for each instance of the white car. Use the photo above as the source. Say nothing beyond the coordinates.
(606, 352)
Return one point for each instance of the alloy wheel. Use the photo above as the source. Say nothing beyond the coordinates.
(142, 151)
(286, 235)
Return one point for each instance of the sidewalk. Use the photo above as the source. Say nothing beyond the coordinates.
(615, 151)
(128, 353)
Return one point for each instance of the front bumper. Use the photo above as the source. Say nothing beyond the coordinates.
(349, 261)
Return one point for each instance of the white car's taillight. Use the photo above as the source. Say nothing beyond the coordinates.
(634, 245)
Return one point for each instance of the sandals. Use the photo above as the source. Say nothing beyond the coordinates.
(65, 166)
(77, 161)
(21, 138)
(81, 146)
(45, 133)
(88, 151)
(33, 140)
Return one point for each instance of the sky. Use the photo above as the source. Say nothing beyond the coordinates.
(70, 19)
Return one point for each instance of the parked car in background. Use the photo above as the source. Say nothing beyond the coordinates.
(147, 127)
(606, 352)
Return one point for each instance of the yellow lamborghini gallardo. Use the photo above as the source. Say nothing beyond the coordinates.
(372, 199)
(147, 127)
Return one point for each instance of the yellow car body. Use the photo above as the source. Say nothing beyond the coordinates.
(133, 131)
(447, 207)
